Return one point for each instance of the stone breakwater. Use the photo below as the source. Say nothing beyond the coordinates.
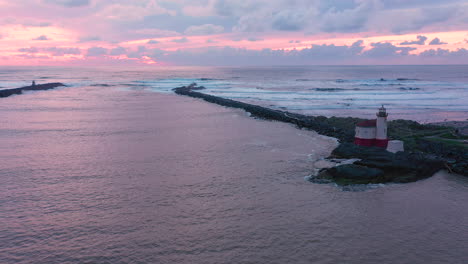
(37, 87)
(375, 165)
(322, 125)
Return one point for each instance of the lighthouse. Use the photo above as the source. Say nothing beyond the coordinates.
(381, 139)
(373, 132)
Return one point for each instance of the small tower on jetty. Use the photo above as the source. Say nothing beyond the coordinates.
(373, 132)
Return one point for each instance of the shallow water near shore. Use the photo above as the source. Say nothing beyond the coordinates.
(99, 174)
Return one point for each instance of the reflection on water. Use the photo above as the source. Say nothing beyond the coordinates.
(100, 175)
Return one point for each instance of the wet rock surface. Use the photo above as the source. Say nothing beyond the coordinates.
(351, 174)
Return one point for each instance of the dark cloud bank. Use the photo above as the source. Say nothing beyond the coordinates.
(378, 53)
(421, 41)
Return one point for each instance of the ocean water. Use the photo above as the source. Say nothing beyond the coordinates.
(425, 94)
(117, 169)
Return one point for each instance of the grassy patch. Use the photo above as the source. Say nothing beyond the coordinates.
(452, 136)
(448, 142)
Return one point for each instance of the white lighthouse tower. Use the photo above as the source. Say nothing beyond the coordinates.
(381, 139)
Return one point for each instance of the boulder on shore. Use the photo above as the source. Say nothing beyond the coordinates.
(352, 174)
(376, 165)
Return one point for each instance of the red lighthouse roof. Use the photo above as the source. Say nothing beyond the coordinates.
(367, 123)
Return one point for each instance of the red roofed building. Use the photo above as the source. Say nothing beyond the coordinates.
(373, 132)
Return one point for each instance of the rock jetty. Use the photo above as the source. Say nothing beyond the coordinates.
(332, 127)
(34, 87)
(375, 165)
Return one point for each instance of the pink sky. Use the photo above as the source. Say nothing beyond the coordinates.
(229, 32)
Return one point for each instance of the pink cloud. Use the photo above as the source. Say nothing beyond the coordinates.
(102, 31)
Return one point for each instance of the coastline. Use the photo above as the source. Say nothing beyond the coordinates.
(422, 159)
(429, 147)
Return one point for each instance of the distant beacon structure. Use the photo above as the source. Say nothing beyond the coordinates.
(371, 133)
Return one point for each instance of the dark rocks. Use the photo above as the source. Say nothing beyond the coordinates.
(399, 167)
(34, 87)
(333, 127)
(456, 157)
(352, 174)
(349, 151)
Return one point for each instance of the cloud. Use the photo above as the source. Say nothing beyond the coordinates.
(53, 51)
(437, 41)
(89, 39)
(236, 8)
(32, 56)
(342, 16)
(251, 39)
(316, 54)
(29, 50)
(290, 20)
(421, 40)
(334, 53)
(256, 22)
(155, 33)
(118, 51)
(280, 23)
(42, 37)
(133, 11)
(57, 51)
(384, 49)
(206, 29)
(139, 53)
(349, 19)
(142, 49)
(181, 40)
(69, 3)
(440, 15)
(445, 55)
(254, 39)
(379, 53)
(96, 51)
(37, 24)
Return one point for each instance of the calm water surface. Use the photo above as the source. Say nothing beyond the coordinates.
(96, 174)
